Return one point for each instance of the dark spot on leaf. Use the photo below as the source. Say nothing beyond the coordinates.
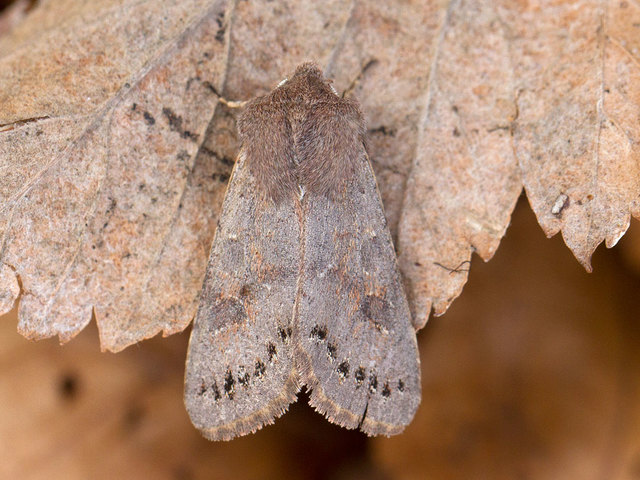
(148, 118)
(175, 121)
(387, 132)
(220, 177)
(359, 376)
(175, 124)
(343, 369)
(319, 333)
(271, 351)
(386, 391)
(373, 383)
(227, 161)
(221, 27)
(183, 156)
(260, 369)
(209, 86)
(189, 82)
(400, 386)
(190, 135)
(112, 206)
(229, 383)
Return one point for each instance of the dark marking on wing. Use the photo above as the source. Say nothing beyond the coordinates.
(318, 333)
(272, 351)
(386, 391)
(343, 369)
(243, 377)
(229, 308)
(202, 389)
(285, 334)
(331, 350)
(229, 383)
(374, 308)
(260, 369)
(216, 392)
(373, 382)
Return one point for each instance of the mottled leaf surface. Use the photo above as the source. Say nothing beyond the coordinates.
(578, 84)
(102, 116)
(109, 210)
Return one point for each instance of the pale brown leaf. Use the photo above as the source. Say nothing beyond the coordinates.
(465, 180)
(577, 66)
(102, 118)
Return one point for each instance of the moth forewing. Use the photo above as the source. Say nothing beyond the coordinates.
(239, 373)
(355, 345)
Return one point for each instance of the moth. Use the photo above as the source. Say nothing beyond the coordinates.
(302, 286)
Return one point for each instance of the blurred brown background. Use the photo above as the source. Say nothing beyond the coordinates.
(533, 373)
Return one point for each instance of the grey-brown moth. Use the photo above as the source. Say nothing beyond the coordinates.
(302, 286)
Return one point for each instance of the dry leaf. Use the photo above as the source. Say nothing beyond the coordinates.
(465, 180)
(112, 207)
(577, 134)
(102, 118)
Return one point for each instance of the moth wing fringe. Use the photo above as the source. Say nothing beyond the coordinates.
(333, 412)
(258, 419)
